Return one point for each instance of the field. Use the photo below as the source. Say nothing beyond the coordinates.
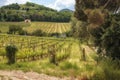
(48, 27)
(4, 26)
(34, 54)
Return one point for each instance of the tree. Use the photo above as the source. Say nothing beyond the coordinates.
(10, 53)
(103, 22)
(38, 33)
(14, 28)
(12, 6)
(79, 30)
(84, 7)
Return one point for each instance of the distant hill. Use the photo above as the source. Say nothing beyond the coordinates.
(28, 5)
(35, 12)
(66, 10)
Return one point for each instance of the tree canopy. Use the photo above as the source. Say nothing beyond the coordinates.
(102, 19)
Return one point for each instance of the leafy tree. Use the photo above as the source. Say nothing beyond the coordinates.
(107, 37)
(79, 30)
(103, 22)
(10, 53)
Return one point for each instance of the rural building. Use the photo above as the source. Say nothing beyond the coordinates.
(27, 20)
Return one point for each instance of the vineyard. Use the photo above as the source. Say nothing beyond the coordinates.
(48, 27)
(60, 40)
(4, 26)
(34, 48)
(41, 50)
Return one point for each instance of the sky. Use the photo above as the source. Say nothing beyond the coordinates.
(55, 4)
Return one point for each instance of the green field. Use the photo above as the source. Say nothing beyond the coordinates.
(34, 54)
(48, 27)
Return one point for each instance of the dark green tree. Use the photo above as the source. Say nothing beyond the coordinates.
(11, 53)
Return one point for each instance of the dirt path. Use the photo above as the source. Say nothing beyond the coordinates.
(19, 75)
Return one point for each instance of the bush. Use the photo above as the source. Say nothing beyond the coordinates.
(38, 33)
(10, 53)
(14, 28)
(22, 32)
(68, 65)
(69, 34)
(108, 70)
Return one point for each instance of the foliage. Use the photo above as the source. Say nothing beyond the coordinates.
(108, 70)
(107, 37)
(14, 6)
(102, 23)
(4, 26)
(35, 12)
(14, 28)
(10, 53)
(79, 30)
(68, 65)
(55, 34)
(38, 33)
(22, 32)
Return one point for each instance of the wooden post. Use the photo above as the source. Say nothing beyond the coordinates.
(84, 54)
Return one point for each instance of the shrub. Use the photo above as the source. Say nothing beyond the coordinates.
(108, 70)
(55, 34)
(10, 53)
(22, 32)
(38, 33)
(14, 28)
(68, 65)
(52, 55)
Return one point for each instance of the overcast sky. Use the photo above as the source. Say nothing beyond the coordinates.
(55, 4)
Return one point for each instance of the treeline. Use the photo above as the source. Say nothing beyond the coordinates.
(35, 12)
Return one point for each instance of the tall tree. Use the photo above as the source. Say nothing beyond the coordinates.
(103, 23)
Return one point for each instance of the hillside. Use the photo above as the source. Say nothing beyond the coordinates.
(35, 12)
(66, 10)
